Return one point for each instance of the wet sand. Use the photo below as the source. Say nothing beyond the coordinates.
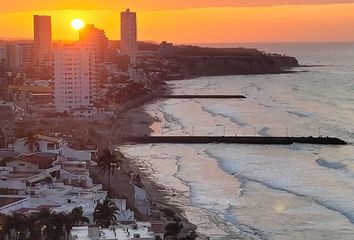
(136, 122)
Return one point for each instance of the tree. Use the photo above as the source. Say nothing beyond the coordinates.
(31, 142)
(174, 228)
(6, 226)
(107, 163)
(105, 213)
(34, 227)
(77, 217)
(138, 180)
(20, 225)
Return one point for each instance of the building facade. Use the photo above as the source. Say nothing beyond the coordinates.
(75, 78)
(129, 44)
(42, 40)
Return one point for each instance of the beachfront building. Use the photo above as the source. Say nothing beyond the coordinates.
(42, 41)
(40, 143)
(126, 187)
(129, 43)
(135, 231)
(54, 145)
(56, 197)
(46, 183)
(12, 203)
(75, 78)
(28, 171)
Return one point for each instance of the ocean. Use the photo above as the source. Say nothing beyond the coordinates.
(235, 191)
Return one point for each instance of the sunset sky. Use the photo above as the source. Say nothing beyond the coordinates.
(191, 21)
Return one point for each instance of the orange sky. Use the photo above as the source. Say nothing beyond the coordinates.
(191, 21)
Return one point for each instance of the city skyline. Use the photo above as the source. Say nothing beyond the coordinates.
(247, 21)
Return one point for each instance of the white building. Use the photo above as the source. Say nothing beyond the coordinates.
(136, 231)
(124, 214)
(11, 203)
(129, 44)
(42, 144)
(42, 40)
(75, 78)
(54, 145)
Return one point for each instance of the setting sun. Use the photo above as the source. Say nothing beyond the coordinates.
(77, 24)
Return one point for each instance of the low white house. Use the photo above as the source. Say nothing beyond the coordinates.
(54, 145)
(76, 178)
(124, 214)
(11, 203)
(32, 163)
(41, 143)
(135, 231)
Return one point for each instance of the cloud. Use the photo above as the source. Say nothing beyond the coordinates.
(148, 5)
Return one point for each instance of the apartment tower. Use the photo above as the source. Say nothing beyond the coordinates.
(42, 41)
(74, 78)
(129, 43)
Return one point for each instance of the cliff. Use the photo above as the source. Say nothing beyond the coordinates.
(214, 66)
(199, 61)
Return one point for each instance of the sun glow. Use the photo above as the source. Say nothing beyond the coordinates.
(77, 24)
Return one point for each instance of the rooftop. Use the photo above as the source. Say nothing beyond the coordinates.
(121, 232)
(8, 200)
(46, 138)
(43, 162)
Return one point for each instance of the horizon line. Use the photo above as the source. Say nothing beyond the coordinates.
(195, 43)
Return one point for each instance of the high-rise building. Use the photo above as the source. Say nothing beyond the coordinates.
(19, 54)
(3, 50)
(26, 53)
(42, 40)
(74, 78)
(129, 43)
(94, 39)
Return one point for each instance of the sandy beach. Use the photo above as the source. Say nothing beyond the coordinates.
(136, 122)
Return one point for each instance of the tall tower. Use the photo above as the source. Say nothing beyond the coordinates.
(94, 39)
(129, 44)
(42, 40)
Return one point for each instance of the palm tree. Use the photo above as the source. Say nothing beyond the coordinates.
(31, 141)
(107, 163)
(77, 217)
(120, 158)
(105, 213)
(52, 224)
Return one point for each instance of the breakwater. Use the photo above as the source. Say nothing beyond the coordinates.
(234, 140)
(203, 96)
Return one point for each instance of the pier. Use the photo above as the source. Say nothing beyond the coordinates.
(234, 139)
(203, 96)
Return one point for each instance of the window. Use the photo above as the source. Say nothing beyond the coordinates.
(51, 146)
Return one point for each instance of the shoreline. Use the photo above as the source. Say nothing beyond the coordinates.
(134, 120)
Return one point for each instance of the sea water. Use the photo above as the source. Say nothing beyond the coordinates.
(235, 191)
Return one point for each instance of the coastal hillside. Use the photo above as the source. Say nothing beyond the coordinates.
(185, 61)
(198, 61)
